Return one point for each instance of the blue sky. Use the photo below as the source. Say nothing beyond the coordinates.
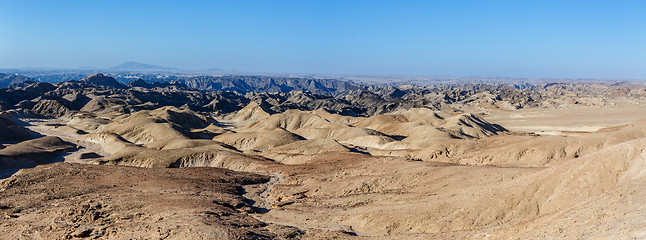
(573, 39)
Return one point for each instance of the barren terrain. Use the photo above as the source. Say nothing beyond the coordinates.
(560, 161)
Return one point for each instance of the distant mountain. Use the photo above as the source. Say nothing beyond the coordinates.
(245, 84)
(141, 67)
(7, 80)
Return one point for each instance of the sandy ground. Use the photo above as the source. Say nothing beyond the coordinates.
(51, 127)
(574, 119)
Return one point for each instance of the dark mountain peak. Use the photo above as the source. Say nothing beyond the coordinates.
(102, 80)
(40, 87)
(140, 83)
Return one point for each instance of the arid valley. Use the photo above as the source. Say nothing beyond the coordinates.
(305, 158)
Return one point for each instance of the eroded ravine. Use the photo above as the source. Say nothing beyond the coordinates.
(49, 127)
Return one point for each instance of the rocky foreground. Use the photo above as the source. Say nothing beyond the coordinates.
(165, 161)
(62, 201)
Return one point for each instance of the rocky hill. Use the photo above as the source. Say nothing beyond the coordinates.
(244, 84)
(7, 80)
(230, 94)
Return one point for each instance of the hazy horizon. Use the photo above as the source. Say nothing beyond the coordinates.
(547, 39)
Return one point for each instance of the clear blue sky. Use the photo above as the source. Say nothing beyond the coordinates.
(598, 39)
